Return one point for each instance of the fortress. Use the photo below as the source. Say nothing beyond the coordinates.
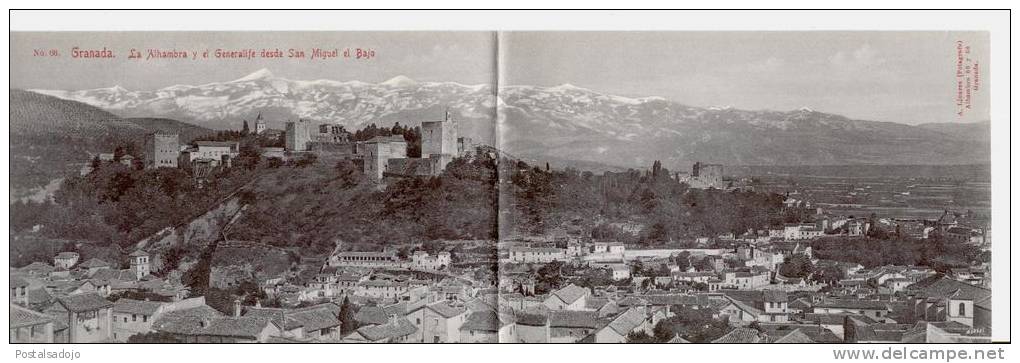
(703, 176)
(161, 150)
(382, 156)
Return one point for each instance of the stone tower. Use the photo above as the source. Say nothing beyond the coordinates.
(439, 140)
(162, 150)
(708, 174)
(298, 135)
(260, 124)
(139, 263)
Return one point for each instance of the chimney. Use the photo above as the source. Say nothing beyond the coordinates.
(237, 307)
(204, 323)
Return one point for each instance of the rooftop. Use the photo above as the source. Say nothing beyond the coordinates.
(131, 306)
(570, 293)
(84, 302)
(22, 317)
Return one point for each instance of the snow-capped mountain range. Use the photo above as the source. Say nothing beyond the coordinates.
(561, 123)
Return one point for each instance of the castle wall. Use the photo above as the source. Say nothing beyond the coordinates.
(378, 154)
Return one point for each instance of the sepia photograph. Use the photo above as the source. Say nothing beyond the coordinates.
(503, 186)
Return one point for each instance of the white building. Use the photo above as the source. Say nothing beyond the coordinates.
(537, 255)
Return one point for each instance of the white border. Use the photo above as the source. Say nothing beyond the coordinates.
(997, 23)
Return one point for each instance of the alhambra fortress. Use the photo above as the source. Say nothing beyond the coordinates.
(379, 157)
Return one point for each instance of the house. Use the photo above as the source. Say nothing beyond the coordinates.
(897, 284)
(536, 254)
(36, 269)
(396, 330)
(801, 231)
(422, 261)
(318, 323)
(379, 315)
(776, 305)
(744, 307)
(615, 248)
(746, 280)
(481, 327)
(439, 322)
(89, 317)
(27, 326)
(381, 289)
(877, 310)
(742, 336)
(568, 326)
(798, 333)
(203, 324)
(19, 290)
(620, 271)
(834, 322)
(570, 297)
(694, 276)
(93, 265)
(631, 320)
(65, 260)
(603, 307)
(140, 264)
(234, 330)
(132, 317)
(214, 152)
(940, 298)
(365, 259)
(531, 328)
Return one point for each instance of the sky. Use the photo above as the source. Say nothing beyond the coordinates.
(906, 77)
(465, 57)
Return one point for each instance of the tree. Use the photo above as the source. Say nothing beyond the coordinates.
(348, 172)
(696, 325)
(640, 337)
(244, 128)
(663, 332)
(153, 338)
(548, 277)
(346, 316)
(307, 160)
(797, 266)
(828, 274)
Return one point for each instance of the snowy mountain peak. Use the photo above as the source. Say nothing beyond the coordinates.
(255, 76)
(568, 87)
(400, 81)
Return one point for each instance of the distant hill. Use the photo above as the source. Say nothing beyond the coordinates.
(185, 130)
(975, 131)
(565, 125)
(51, 137)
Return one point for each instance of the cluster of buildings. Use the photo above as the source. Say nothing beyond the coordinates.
(703, 176)
(382, 156)
(68, 301)
(742, 284)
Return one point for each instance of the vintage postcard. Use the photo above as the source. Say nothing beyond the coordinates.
(501, 187)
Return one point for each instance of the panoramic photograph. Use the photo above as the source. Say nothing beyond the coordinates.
(500, 187)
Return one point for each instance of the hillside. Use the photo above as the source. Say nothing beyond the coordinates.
(51, 137)
(976, 131)
(565, 124)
